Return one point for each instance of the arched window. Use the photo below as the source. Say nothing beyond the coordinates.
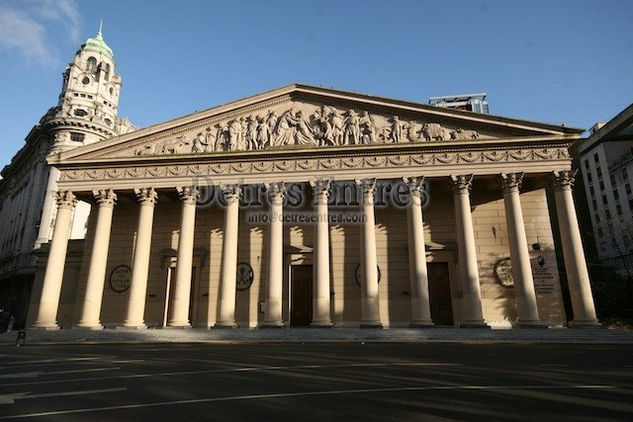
(107, 72)
(92, 65)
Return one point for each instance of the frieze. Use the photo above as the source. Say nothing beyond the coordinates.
(288, 124)
(329, 163)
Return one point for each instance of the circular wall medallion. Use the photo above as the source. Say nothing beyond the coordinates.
(244, 276)
(85, 80)
(120, 278)
(503, 272)
(357, 273)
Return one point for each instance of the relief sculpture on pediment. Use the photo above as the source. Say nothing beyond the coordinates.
(303, 125)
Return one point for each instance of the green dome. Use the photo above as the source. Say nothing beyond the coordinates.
(97, 44)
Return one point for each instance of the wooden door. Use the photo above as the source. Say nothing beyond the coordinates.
(301, 300)
(440, 293)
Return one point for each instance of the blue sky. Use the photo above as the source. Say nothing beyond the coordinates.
(554, 61)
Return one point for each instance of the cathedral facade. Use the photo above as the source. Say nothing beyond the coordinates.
(312, 206)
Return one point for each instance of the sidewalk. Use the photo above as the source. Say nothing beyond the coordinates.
(197, 335)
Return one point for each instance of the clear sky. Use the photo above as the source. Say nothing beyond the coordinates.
(554, 61)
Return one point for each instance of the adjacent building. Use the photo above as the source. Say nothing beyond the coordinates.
(86, 113)
(606, 164)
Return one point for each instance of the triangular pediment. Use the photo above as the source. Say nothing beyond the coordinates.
(299, 116)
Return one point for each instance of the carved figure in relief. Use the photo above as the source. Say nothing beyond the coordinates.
(198, 144)
(435, 132)
(235, 135)
(251, 132)
(176, 146)
(303, 135)
(460, 134)
(396, 130)
(284, 130)
(336, 123)
(367, 128)
(321, 127)
(209, 140)
(145, 150)
(221, 138)
(351, 133)
(413, 134)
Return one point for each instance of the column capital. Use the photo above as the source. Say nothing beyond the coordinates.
(512, 181)
(321, 187)
(462, 183)
(415, 184)
(231, 193)
(276, 190)
(188, 194)
(105, 197)
(564, 179)
(65, 199)
(146, 196)
(368, 186)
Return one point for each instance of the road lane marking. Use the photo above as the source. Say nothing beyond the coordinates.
(554, 364)
(32, 362)
(217, 371)
(312, 393)
(10, 398)
(34, 374)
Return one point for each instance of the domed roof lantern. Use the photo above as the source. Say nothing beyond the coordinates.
(98, 44)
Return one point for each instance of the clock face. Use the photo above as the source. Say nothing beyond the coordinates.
(85, 80)
(503, 272)
(244, 276)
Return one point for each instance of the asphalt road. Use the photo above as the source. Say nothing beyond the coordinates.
(373, 381)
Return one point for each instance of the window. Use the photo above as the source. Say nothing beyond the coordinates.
(607, 213)
(594, 204)
(627, 188)
(599, 172)
(80, 112)
(77, 137)
(107, 72)
(605, 201)
(631, 204)
(612, 180)
(618, 209)
(589, 177)
(587, 164)
(625, 174)
(601, 185)
(597, 218)
(595, 158)
(603, 246)
(92, 65)
(600, 232)
(616, 194)
(592, 191)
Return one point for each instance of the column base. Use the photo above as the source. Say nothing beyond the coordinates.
(178, 327)
(88, 327)
(272, 325)
(370, 324)
(421, 324)
(321, 324)
(475, 324)
(585, 324)
(52, 327)
(224, 326)
(140, 326)
(532, 324)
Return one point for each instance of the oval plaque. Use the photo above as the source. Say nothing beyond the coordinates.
(503, 272)
(120, 278)
(357, 273)
(244, 276)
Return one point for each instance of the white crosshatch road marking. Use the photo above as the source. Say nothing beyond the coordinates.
(314, 393)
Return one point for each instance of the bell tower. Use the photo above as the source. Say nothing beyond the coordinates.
(88, 103)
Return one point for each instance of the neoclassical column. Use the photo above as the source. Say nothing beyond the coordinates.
(575, 263)
(418, 275)
(52, 285)
(226, 306)
(370, 305)
(321, 266)
(98, 261)
(182, 293)
(524, 292)
(140, 261)
(274, 292)
(472, 314)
